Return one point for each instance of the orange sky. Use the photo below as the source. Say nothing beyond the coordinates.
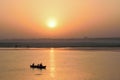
(75, 19)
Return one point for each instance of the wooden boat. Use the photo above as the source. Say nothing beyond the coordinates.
(38, 66)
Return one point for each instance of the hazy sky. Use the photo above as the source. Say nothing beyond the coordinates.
(75, 18)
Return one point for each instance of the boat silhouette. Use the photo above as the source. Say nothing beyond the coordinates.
(39, 66)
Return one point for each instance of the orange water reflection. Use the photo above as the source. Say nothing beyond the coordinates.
(61, 64)
(52, 63)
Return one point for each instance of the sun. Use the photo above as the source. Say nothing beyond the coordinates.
(51, 23)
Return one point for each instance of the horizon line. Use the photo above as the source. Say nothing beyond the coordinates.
(60, 38)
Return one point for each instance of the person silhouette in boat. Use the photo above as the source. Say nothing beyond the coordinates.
(33, 64)
(41, 64)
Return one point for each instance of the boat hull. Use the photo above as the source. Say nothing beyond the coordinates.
(39, 67)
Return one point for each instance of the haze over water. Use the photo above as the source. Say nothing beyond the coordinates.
(27, 25)
(62, 64)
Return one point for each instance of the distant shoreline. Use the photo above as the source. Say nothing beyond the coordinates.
(58, 43)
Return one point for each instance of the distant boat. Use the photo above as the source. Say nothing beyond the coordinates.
(38, 66)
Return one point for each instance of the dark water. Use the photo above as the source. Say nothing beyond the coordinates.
(62, 64)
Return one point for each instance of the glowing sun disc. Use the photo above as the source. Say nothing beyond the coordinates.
(51, 23)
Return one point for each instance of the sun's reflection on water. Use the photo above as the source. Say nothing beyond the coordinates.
(52, 62)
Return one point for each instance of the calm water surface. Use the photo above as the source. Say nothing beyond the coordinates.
(62, 64)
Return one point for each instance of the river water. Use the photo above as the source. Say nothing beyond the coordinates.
(62, 64)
